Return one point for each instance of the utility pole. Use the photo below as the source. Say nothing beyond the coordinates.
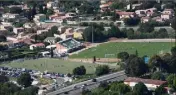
(92, 34)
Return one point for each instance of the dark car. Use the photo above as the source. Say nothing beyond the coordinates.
(94, 80)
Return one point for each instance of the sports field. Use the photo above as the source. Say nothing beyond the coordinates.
(52, 65)
(110, 50)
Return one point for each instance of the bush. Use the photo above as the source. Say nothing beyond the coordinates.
(101, 70)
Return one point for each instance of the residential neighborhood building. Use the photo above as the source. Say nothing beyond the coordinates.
(150, 84)
(39, 18)
(37, 46)
(51, 40)
(124, 15)
(18, 30)
(51, 4)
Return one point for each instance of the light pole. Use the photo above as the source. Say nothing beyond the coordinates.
(92, 34)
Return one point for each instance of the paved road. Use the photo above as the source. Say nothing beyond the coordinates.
(118, 76)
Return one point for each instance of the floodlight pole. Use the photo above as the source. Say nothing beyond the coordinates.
(92, 34)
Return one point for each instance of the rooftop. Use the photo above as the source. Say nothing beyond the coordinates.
(146, 81)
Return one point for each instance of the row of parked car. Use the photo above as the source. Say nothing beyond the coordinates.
(16, 72)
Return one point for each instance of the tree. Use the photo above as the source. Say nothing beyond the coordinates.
(123, 55)
(162, 33)
(3, 38)
(52, 53)
(130, 32)
(156, 62)
(101, 70)
(25, 80)
(135, 66)
(3, 79)
(15, 10)
(170, 80)
(32, 90)
(117, 5)
(140, 89)
(132, 21)
(173, 51)
(114, 32)
(160, 90)
(49, 12)
(158, 76)
(52, 31)
(173, 25)
(33, 11)
(79, 70)
(8, 88)
(136, 53)
(120, 88)
(41, 10)
(97, 33)
(18, 24)
(145, 28)
(172, 65)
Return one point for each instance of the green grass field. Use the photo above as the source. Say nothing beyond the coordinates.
(52, 65)
(112, 49)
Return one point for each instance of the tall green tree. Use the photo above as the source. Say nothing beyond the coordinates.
(25, 80)
(79, 70)
(156, 62)
(3, 79)
(173, 51)
(3, 38)
(160, 90)
(171, 80)
(140, 89)
(123, 56)
(158, 76)
(135, 66)
(119, 88)
(8, 88)
(173, 25)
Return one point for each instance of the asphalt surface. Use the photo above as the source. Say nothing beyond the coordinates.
(71, 90)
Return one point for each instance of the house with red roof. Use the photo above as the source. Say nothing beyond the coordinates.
(124, 14)
(150, 84)
(105, 6)
(145, 19)
(37, 45)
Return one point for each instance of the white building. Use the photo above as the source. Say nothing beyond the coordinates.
(150, 84)
(18, 30)
(51, 4)
(41, 31)
(10, 16)
(38, 45)
(28, 25)
(39, 18)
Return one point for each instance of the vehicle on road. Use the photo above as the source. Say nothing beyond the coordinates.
(94, 80)
(75, 87)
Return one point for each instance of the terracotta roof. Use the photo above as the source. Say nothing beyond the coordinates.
(168, 10)
(105, 5)
(125, 13)
(39, 44)
(145, 17)
(146, 81)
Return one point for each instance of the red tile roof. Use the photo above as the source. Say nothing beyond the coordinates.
(39, 44)
(145, 81)
(124, 13)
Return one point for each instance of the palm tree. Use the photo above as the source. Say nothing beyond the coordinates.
(173, 25)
